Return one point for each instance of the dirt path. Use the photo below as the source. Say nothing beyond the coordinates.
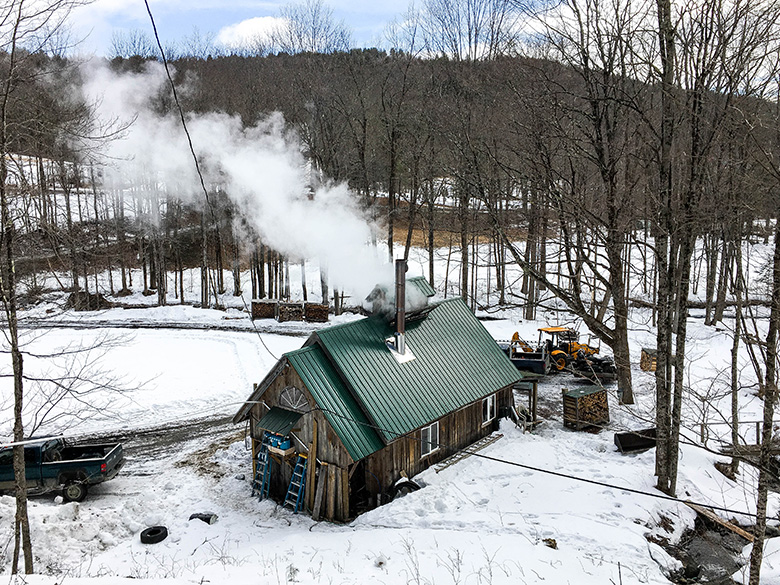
(170, 443)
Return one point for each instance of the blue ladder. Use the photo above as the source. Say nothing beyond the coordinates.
(297, 484)
(261, 485)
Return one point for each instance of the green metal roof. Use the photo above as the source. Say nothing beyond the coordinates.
(456, 363)
(279, 420)
(337, 404)
(421, 284)
(586, 391)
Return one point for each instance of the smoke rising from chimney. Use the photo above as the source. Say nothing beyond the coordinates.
(261, 168)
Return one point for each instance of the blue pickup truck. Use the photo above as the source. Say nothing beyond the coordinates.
(54, 465)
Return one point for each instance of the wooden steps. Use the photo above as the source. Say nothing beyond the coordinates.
(467, 452)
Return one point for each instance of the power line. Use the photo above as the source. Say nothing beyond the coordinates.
(659, 496)
(195, 156)
(397, 435)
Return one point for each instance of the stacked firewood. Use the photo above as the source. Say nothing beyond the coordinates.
(315, 312)
(290, 312)
(584, 408)
(264, 309)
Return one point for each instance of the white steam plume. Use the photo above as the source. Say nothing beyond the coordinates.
(261, 168)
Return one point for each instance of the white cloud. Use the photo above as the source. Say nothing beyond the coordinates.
(248, 31)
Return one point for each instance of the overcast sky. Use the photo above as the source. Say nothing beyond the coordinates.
(175, 19)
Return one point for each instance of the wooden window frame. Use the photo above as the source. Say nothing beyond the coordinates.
(430, 441)
(490, 401)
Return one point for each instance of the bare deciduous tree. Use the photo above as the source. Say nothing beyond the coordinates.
(310, 27)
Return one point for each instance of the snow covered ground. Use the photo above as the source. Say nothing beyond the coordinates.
(481, 521)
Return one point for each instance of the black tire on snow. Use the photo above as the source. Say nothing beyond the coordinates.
(154, 534)
(403, 488)
(74, 491)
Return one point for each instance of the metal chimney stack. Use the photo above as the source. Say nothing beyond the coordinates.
(400, 306)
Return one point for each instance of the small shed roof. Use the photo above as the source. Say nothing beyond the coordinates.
(421, 284)
(279, 420)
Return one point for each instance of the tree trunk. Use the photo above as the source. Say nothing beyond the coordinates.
(260, 269)
(236, 269)
(770, 397)
(431, 234)
(220, 267)
(723, 279)
(735, 363)
(463, 212)
(304, 290)
(667, 56)
(204, 263)
(120, 232)
(8, 291)
(712, 253)
(324, 283)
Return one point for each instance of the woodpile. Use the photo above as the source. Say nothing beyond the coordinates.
(331, 496)
(86, 301)
(264, 309)
(290, 312)
(315, 312)
(647, 360)
(273, 309)
(585, 407)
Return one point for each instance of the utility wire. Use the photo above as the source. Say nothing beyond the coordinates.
(659, 496)
(181, 111)
(397, 435)
(192, 151)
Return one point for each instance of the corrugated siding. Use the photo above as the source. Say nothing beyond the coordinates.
(457, 362)
(337, 404)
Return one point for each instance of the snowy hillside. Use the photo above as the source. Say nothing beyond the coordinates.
(479, 521)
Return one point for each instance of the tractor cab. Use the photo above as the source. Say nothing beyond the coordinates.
(563, 345)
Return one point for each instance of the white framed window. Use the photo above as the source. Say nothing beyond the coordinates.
(488, 409)
(429, 439)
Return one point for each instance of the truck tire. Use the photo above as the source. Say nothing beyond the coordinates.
(74, 492)
(402, 488)
(154, 534)
(560, 360)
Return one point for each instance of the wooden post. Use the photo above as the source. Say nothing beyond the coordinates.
(311, 469)
(254, 457)
(344, 494)
(330, 508)
(315, 514)
(337, 492)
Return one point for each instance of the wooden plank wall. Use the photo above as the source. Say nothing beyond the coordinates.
(327, 489)
(329, 449)
(456, 431)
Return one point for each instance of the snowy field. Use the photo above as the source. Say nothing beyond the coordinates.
(481, 521)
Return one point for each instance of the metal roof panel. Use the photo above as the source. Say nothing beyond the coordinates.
(279, 420)
(337, 404)
(456, 363)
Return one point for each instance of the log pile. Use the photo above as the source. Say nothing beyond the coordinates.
(315, 312)
(87, 301)
(264, 309)
(583, 408)
(647, 360)
(290, 312)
